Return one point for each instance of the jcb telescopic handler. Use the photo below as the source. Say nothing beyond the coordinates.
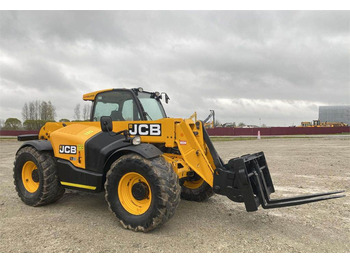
(143, 160)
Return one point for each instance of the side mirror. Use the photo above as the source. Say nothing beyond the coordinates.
(106, 124)
(166, 97)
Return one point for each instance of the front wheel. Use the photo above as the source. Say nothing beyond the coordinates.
(142, 193)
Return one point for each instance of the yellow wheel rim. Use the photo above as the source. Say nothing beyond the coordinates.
(194, 184)
(134, 193)
(27, 177)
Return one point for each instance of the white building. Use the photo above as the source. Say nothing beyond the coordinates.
(334, 114)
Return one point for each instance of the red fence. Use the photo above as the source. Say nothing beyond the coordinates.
(16, 132)
(276, 131)
(230, 131)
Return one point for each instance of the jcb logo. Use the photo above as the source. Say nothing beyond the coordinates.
(67, 149)
(145, 129)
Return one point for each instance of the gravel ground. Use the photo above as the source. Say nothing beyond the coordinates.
(81, 222)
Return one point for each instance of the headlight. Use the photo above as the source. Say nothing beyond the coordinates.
(136, 140)
(140, 89)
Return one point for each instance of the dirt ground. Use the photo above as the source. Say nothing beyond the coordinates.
(81, 222)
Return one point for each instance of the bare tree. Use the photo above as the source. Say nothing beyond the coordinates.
(25, 112)
(51, 111)
(77, 112)
(37, 110)
(31, 111)
(43, 110)
(47, 111)
(36, 113)
(86, 112)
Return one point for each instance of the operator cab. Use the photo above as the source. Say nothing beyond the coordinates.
(126, 104)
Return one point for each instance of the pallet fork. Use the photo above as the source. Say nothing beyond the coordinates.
(247, 179)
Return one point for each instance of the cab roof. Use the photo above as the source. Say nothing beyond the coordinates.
(91, 96)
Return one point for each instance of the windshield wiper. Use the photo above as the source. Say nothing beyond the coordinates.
(146, 114)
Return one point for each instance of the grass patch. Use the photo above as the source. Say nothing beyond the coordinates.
(8, 138)
(223, 138)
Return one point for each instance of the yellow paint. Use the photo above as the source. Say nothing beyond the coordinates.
(91, 96)
(126, 198)
(29, 184)
(194, 184)
(88, 132)
(78, 185)
(179, 165)
(73, 135)
(193, 152)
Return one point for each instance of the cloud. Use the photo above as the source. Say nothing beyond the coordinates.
(246, 65)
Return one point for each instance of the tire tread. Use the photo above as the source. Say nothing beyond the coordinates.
(51, 189)
(168, 182)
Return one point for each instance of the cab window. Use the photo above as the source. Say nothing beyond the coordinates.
(118, 104)
(152, 106)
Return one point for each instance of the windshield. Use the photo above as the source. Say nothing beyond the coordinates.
(153, 108)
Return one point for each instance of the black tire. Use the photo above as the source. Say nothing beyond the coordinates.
(198, 193)
(162, 185)
(49, 188)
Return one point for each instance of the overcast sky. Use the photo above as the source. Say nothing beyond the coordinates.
(272, 67)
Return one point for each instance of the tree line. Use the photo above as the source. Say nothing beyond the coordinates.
(36, 113)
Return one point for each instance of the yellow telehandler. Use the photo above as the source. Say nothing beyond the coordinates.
(143, 160)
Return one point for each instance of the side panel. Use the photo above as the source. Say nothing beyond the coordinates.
(145, 130)
(68, 142)
(99, 147)
(77, 178)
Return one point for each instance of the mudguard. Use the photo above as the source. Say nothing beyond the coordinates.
(40, 145)
(103, 147)
(145, 150)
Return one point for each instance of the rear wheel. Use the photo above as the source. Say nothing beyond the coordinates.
(196, 189)
(35, 177)
(142, 193)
